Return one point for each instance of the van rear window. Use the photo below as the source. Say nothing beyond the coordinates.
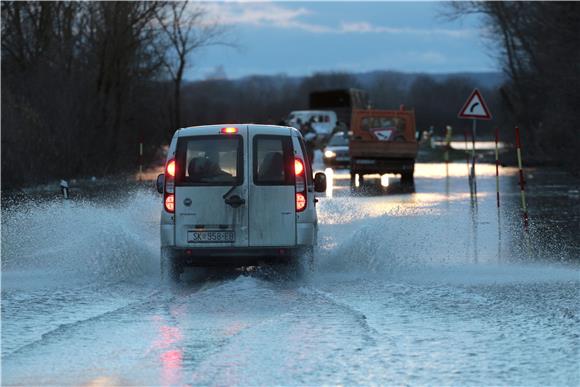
(209, 160)
(273, 160)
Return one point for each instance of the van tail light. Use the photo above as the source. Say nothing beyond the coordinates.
(300, 202)
(298, 167)
(169, 202)
(301, 186)
(169, 191)
(170, 169)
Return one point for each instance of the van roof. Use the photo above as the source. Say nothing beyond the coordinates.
(214, 129)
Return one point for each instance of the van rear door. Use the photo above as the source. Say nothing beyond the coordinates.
(272, 213)
(212, 170)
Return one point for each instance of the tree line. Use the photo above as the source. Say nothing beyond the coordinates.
(84, 82)
(268, 99)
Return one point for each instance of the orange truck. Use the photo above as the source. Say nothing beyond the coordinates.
(382, 141)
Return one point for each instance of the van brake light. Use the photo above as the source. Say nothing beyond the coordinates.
(229, 130)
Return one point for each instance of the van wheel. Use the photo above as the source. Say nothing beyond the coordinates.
(170, 269)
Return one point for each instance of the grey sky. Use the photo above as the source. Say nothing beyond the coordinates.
(299, 38)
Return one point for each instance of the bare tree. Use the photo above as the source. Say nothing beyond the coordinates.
(187, 28)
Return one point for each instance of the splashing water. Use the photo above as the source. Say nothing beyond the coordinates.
(83, 239)
(405, 289)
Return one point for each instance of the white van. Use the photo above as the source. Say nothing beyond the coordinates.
(324, 121)
(236, 194)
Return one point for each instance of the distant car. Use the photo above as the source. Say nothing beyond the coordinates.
(324, 122)
(236, 194)
(336, 152)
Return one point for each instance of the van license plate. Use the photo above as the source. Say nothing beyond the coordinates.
(210, 236)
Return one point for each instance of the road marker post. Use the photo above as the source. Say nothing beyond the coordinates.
(497, 165)
(141, 160)
(521, 172)
(466, 154)
(448, 133)
(64, 189)
(473, 135)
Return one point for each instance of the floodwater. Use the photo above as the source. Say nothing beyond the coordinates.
(431, 287)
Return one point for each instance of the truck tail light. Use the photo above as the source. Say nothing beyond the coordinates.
(301, 185)
(169, 191)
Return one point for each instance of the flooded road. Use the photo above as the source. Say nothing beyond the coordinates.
(431, 287)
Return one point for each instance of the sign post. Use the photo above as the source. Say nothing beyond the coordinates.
(475, 109)
(522, 180)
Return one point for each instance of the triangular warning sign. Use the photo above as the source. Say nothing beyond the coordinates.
(475, 108)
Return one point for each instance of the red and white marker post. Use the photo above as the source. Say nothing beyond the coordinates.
(497, 165)
(522, 180)
(140, 159)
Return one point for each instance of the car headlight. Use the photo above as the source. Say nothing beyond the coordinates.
(329, 154)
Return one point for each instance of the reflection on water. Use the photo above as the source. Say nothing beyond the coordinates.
(441, 170)
(479, 145)
(435, 171)
(329, 172)
(445, 190)
(167, 343)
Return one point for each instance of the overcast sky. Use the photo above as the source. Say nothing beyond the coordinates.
(299, 38)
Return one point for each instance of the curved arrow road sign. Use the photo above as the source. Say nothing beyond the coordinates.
(475, 107)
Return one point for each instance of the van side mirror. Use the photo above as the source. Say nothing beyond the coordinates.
(160, 182)
(320, 182)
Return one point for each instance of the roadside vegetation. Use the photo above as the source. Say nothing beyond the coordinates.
(84, 82)
(539, 47)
